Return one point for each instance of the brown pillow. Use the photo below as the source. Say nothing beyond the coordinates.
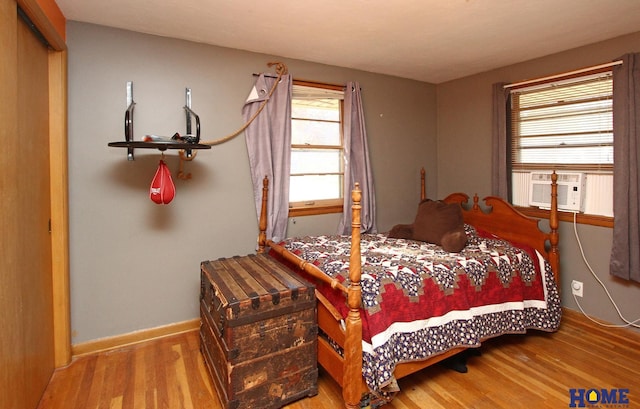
(401, 231)
(455, 240)
(440, 223)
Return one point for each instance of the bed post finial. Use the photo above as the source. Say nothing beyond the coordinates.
(262, 224)
(353, 338)
(554, 255)
(423, 186)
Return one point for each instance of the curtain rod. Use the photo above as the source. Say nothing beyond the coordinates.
(270, 75)
(551, 77)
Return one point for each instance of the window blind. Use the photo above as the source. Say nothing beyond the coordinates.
(564, 123)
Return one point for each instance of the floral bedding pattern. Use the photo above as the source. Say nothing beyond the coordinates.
(420, 301)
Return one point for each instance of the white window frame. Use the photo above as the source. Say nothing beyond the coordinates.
(599, 176)
(312, 90)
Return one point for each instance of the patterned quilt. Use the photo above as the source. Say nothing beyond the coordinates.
(420, 301)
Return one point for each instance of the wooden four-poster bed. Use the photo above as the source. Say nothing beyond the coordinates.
(347, 326)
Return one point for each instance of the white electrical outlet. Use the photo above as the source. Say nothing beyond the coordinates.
(576, 288)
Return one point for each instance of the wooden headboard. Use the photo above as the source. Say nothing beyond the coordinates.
(505, 221)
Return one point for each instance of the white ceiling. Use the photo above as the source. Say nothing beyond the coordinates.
(427, 40)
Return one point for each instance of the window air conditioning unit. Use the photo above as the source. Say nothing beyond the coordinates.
(571, 188)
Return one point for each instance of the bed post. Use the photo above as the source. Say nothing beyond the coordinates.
(352, 379)
(423, 186)
(262, 223)
(554, 255)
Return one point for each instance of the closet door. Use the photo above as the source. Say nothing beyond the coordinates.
(26, 338)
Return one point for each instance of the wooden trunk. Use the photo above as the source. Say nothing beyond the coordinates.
(258, 332)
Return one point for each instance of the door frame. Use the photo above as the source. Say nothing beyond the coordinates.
(49, 20)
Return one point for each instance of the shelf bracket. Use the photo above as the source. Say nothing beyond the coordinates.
(128, 120)
(189, 113)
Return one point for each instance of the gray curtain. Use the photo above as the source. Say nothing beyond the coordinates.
(357, 162)
(268, 141)
(500, 149)
(625, 252)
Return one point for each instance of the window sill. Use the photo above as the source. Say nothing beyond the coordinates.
(315, 210)
(592, 219)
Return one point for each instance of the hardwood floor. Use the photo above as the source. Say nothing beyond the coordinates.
(532, 371)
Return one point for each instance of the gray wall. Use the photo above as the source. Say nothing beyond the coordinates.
(135, 264)
(464, 120)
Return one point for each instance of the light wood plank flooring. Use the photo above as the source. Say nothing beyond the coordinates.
(532, 371)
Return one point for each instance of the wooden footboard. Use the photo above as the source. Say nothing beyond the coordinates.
(346, 370)
(502, 220)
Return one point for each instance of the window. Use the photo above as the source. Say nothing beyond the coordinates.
(565, 125)
(317, 159)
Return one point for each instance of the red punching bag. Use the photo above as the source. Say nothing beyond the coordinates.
(162, 188)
